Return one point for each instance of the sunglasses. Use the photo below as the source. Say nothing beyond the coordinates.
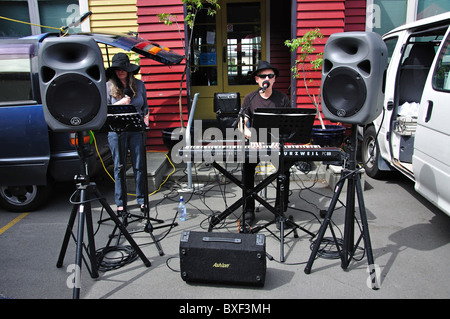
(263, 76)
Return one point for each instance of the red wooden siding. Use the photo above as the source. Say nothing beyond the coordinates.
(162, 82)
(329, 17)
(355, 15)
(280, 31)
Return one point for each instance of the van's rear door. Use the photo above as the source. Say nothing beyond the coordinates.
(24, 140)
(431, 159)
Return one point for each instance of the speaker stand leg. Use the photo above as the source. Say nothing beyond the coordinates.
(354, 184)
(326, 222)
(82, 208)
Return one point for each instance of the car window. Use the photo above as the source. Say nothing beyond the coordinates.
(429, 46)
(390, 44)
(441, 80)
(15, 73)
(418, 55)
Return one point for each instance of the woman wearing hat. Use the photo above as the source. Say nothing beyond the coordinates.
(123, 88)
(264, 97)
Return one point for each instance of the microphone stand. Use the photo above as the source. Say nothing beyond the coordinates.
(240, 118)
(242, 111)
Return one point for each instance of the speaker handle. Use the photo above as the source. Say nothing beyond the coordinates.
(222, 240)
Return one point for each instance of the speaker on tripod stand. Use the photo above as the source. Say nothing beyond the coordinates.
(72, 84)
(353, 74)
(73, 91)
(354, 67)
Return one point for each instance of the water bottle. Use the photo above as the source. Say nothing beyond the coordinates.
(182, 209)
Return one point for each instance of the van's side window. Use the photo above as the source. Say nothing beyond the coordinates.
(15, 73)
(390, 44)
(417, 59)
(441, 75)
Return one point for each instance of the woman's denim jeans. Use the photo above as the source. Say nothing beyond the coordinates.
(132, 141)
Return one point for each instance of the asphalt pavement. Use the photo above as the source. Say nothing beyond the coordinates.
(410, 241)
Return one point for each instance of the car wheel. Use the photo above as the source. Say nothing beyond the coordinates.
(370, 154)
(23, 198)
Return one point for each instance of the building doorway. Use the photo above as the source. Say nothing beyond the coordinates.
(225, 50)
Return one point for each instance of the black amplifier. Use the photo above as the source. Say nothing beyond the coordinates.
(228, 103)
(224, 258)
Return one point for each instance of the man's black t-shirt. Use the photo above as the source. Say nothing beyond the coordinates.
(253, 100)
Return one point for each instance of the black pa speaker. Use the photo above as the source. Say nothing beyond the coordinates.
(227, 103)
(72, 82)
(223, 258)
(354, 67)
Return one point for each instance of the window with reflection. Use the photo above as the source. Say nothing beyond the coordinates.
(17, 10)
(429, 8)
(58, 13)
(204, 50)
(388, 14)
(51, 13)
(441, 76)
(15, 73)
(243, 48)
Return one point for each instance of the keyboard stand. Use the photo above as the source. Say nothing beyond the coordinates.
(294, 126)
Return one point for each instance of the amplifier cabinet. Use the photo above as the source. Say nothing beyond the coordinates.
(228, 103)
(223, 258)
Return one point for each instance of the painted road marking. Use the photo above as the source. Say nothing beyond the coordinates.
(12, 223)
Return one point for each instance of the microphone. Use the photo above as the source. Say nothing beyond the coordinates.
(265, 85)
(78, 20)
(127, 91)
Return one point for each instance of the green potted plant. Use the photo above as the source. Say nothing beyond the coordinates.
(309, 60)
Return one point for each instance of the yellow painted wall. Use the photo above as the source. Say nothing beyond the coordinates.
(114, 16)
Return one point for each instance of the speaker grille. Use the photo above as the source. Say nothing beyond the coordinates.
(73, 99)
(344, 92)
(227, 102)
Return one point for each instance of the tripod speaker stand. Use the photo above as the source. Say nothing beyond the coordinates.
(352, 176)
(86, 193)
(122, 119)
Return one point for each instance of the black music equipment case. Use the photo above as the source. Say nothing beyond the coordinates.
(223, 258)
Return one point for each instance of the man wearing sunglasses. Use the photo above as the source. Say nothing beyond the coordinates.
(264, 97)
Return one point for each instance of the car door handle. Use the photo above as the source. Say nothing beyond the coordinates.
(390, 105)
(429, 111)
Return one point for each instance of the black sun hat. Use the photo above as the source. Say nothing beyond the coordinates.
(262, 65)
(121, 61)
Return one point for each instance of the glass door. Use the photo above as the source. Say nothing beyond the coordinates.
(225, 50)
(243, 45)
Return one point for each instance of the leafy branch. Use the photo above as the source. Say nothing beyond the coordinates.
(306, 62)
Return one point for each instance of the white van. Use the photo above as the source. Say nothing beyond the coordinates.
(412, 135)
